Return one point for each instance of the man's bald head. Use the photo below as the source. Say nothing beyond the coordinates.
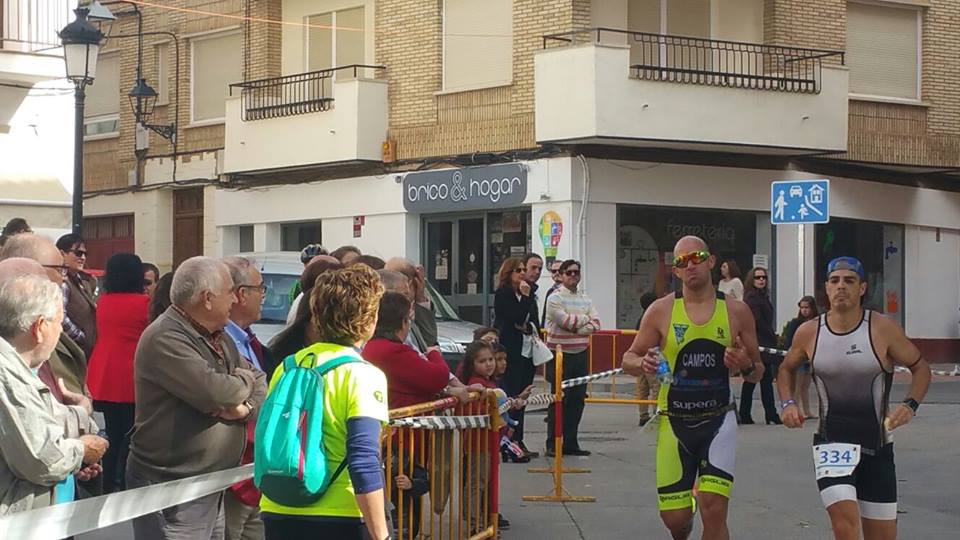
(405, 267)
(688, 244)
(38, 248)
(20, 266)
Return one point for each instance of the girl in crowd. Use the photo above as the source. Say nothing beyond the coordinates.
(730, 283)
(486, 333)
(808, 310)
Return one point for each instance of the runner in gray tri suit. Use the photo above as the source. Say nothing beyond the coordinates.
(852, 353)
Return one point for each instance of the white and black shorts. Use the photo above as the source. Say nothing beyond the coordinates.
(873, 485)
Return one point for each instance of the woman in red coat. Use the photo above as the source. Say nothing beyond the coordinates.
(121, 318)
(411, 377)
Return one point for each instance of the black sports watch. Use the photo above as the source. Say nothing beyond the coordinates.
(749, 370)
(912, 403)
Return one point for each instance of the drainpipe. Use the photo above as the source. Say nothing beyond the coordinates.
(582, 219)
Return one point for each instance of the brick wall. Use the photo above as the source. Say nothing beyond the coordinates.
(424, 123)
(887, 132)
(110, 163)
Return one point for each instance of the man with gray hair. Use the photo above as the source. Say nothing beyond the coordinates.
(44, 443)
(194, 393)
(425, 321)
(241, 503)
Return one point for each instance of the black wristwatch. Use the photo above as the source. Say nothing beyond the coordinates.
(912, 403)
(749, 370)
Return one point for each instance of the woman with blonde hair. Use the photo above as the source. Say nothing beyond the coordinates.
(344, 305)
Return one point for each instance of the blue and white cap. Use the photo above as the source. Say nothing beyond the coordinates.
(846, 263)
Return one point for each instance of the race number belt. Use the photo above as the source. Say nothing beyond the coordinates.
(833, 460)
(697, 416)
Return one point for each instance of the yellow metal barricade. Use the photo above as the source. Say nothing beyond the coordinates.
(442, 470)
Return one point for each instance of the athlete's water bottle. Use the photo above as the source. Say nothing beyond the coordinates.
(664, 374)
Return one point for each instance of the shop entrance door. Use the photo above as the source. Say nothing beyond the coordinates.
(463, 254)
(455, 261)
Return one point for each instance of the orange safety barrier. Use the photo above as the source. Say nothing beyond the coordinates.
(444, 483)
(606, 352)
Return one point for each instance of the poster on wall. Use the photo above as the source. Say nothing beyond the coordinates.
(551, 230)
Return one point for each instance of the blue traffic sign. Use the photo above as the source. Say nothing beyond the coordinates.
(800, 201)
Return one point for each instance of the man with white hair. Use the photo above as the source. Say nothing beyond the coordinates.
(68, 361)
(194, 393)
(44, 442)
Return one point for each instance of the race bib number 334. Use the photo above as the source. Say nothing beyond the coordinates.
(835, 459)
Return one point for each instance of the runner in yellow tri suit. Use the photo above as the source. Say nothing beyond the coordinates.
(704, 338)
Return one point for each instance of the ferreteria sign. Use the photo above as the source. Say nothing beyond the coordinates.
(473, 188)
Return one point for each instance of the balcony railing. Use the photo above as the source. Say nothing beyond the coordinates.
(711, 62)
(290, 95)
(32, 25)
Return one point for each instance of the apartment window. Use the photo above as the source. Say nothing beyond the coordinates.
(245, 234)
(162, 54)
(477, 44)
(216, 63)
(102, 107)
(676, 17)
(883, 50)
(336, 39)
(294, 236)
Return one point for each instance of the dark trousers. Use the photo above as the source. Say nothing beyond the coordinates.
(305, 529)
(119, 421)
(199, 519)
(574, 365)
(519, 375)
(766, 395)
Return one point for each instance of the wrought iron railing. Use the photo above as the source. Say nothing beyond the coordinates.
(712, 62)
(291, 95)
(32, 25)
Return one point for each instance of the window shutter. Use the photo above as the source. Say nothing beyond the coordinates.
(477, 44)
(103, 96)
(882, 50)
(217, 63)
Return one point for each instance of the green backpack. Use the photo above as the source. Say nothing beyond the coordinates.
(289, 459)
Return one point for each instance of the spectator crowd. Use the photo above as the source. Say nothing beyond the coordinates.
(140, 377)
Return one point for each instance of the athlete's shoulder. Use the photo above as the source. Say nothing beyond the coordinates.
(806, 331)
(664, 304)
(884, 325)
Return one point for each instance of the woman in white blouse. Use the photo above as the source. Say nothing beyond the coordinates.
(730, 283)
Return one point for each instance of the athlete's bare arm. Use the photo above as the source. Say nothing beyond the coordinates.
(900, 351)
(636, 361)
(797, 355)
(745, 351)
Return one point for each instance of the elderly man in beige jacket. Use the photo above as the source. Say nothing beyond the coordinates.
(44, 441)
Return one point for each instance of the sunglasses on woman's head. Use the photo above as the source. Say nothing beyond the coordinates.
(695, 257)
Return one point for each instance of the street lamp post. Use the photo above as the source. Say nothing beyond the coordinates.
(81, 44)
